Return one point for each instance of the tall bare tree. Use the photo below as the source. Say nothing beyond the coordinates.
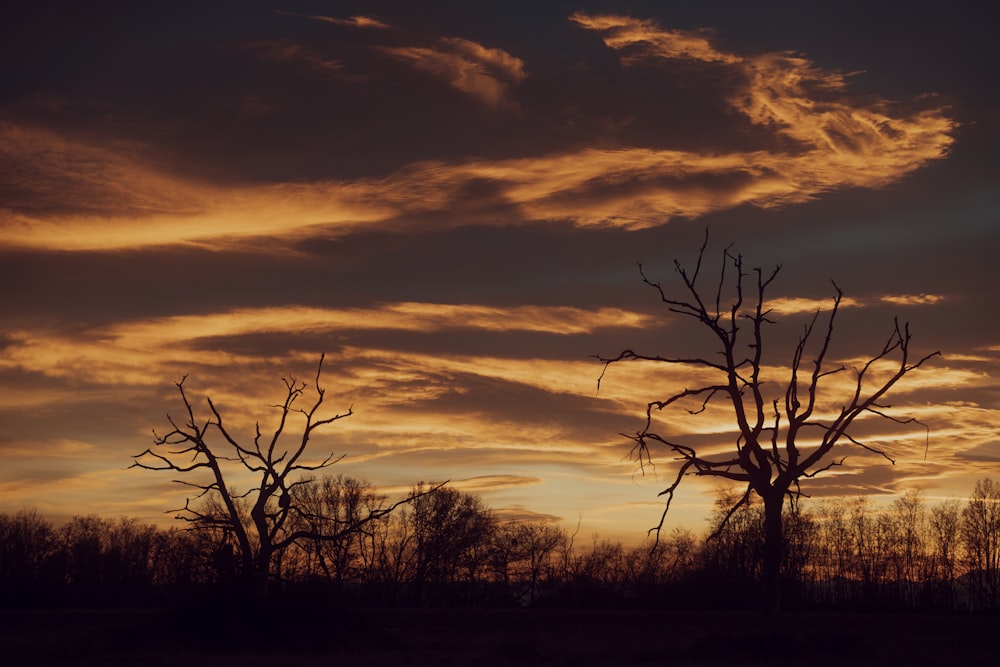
(258, 519)
(768, 455)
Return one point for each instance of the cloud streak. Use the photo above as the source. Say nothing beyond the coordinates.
(129, 351)
(358, 21)
(485, 74)
(77, 195)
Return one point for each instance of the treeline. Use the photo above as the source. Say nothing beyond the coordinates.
(448, 548)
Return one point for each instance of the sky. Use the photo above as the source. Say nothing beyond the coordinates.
(449, 201)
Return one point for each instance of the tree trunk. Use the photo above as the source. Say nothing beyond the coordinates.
(260, 575)
(261, 586)
(771, 566)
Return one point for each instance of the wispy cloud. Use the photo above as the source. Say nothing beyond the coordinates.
(486, 74)
(913, 299)
(478, 485)
(289, 52)
(50, 177)
(798, 305)
(60, 448)
(75, 195)
(358, 21)
(143, 352)
(841, 141)
(639, 37)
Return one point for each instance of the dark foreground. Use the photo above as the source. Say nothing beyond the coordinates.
(490, 637)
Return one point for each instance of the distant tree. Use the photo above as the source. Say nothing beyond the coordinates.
(800, 549)
(27, 545)
(519, 557)
(944, 526)
(450, 540)
(911, 566)
(181, 561)
(534, 548)
(328, 505)
(981, 539)
(256, 521)
(661, 568)
(677, 556)
(868, 564)
(107, 561)
(731, 554)
(606, 562)
(835, 557)
(786, 431)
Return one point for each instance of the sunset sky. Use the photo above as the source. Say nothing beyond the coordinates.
(449, 200)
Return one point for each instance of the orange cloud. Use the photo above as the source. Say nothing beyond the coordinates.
(913, 299)
(61, 448)
(798, 305)
(73, 195)
(143, 352)
(480, 72)
(354, 21)
(623, 33)
(842, 141)
(69, 195)
(477, 485)
(358, 21)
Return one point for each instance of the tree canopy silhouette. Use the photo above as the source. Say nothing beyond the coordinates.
(783, 432)
(259, 520)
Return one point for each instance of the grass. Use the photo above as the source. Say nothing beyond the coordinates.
(523, 638)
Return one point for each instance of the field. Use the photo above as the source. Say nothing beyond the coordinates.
(490, 637)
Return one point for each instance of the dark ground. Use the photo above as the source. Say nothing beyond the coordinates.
(490, 637)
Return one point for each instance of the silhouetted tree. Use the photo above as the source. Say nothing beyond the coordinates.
(254, 523)
(532, 552)
(657, 572)
(835, 556)
(910, 563)
(981, 539)
(731, 556)
(450, 539)
(771, 417)
(28, 543)
(800, 547)
(328, 505)
(944, 527)
(107, 561)
(182, 561)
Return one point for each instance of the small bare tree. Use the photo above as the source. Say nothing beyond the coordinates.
(769, 455)
(259, 519)
(980, 532)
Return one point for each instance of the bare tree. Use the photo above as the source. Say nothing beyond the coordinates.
(451, 533)
(28, 544)
(768, 455)
(257, 520)
(980, 530)
(910, 560)
(945, 531)
(522, 557)
(329, 504)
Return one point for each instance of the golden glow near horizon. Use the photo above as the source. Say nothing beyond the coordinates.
(458, 366)
(394, 393)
